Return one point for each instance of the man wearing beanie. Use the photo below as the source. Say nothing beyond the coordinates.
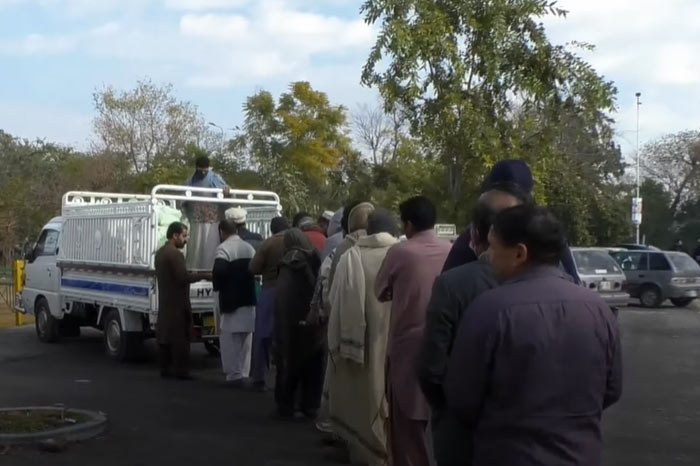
(514, 172)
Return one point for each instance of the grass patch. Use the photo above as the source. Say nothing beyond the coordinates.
(24, 421)
(7, 317)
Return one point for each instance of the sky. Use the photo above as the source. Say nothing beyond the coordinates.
(55, 53)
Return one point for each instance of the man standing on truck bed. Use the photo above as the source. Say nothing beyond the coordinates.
(204, 217)
(235, 285)
(174, 326)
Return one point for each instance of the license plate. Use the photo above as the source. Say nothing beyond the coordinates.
(605, 286)
(200, 293)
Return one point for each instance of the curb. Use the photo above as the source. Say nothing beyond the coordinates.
(87, 430)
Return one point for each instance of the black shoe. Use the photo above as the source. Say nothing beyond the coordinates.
(310, 414)
(259, 387)
(237, 384)
(286, 414)
(339, 455)
(166, 375)
(185, 377)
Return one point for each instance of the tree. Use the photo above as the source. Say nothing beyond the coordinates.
(33, 177)
(657, 218)
(146, 124)
(674, 162)
(458, 67)
(380, 134)
(297, 144)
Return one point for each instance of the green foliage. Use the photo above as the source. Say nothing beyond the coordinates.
(480, 82)
(657, 217)
(298, 145)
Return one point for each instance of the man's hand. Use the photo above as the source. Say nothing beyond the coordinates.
(199, 276)
(312, 318)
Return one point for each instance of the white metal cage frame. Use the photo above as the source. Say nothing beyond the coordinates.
(120, 230)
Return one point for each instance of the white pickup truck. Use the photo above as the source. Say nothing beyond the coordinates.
(94, 265)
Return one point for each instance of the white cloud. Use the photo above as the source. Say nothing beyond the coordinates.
(203, 5)
(217, 27)
(312, 32)
(644, 47)
(107, 29)
(37, 44)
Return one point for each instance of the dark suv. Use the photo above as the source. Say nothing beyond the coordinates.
(654, 277)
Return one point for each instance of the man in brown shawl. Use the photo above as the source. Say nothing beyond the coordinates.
(174, 326)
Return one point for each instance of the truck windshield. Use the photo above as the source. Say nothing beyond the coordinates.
(595, 263)
(683, 262)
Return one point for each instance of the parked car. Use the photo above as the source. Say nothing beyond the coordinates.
(638, 247)
(599, 272)
(655, 276)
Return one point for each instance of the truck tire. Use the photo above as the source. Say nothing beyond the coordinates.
(213, 347)
(47, 326)
(119, 345)
(681, 302)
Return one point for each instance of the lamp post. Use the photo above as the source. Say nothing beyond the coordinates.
(221, 148)
(637, 201)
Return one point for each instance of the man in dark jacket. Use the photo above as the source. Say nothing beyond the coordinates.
(538, 359)
(453, 292)
(174, 326)
(298, 346)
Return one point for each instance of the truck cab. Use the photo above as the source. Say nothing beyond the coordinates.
(42, 276)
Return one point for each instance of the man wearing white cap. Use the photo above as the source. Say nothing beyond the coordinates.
(239, 216)
(235, 291)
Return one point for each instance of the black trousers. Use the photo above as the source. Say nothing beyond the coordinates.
(304, 374)
(174, 358)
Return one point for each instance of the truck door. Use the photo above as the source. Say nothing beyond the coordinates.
(42, 273)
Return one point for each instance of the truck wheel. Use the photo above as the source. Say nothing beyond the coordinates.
(47, 326)
(681, 302)
(119, 345)
(212, 347)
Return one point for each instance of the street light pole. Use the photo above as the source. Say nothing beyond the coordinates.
(223, 135)
(637, 208)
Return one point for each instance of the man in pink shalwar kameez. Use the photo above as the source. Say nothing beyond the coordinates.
(406, 278)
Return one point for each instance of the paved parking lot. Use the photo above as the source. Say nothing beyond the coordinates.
(154, 422)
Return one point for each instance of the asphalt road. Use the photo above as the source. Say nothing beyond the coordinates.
(155, 422)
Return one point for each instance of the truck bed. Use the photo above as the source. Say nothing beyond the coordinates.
(117, 236)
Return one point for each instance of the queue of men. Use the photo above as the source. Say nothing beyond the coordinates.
(493, 357)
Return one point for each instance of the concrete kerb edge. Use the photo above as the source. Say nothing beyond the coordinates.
(75, 433)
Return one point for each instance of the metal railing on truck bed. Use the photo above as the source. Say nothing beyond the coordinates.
(121, 230)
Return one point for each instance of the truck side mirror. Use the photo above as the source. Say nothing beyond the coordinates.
(30, 256)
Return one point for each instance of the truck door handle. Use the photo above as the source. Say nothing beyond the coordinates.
(641, 275)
